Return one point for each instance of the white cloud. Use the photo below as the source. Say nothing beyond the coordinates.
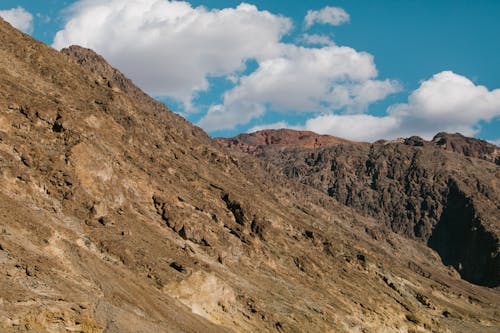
(314, 39)
(495, 142)
(358, 127)
(219, 117)
(367, 92)
(19, 18)
(448, 98)
(305, 80)
(446, 102)
(302, 77)
(327, 15)
(170, 48)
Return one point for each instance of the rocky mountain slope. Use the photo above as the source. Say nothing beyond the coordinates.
(260, 141)
(468, 146)
(457, 143)
(415, 187)
(119, 216)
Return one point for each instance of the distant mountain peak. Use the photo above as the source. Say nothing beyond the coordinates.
(466, 146)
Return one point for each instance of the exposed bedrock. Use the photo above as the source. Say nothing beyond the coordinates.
(462, 241)
(444, 199)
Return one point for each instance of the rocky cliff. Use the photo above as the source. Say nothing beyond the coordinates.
(417, 188)
(467, 146)
(119, 216)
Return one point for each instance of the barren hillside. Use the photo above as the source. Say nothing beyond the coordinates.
(119, 216)
(442, 192)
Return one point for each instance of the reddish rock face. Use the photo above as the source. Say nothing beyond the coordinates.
(256, 142)
(284, 138)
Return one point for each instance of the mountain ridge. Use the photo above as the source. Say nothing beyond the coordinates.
(409, 185)
(255, 142)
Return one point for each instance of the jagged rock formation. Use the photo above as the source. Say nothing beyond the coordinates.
(468, 146)
(116, 215)
(446, 200)
(456, 143)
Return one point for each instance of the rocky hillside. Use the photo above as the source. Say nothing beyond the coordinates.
(446, 200)
(457, 143)
(258, 142)
(119, 216)
(468, 146)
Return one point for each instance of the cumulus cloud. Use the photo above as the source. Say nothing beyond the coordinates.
(359, 127)
(302, 77)
(305, 80)
(219, 117)
(446, 102)
(448, 98)
(19, 18)
(327, 15)
(170, 48)
(315, 39)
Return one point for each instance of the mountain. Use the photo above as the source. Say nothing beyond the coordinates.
(119, 216)
(457, 143)
(416, 188)
(260, 141)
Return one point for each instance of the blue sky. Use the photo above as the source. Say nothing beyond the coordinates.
(387, 69)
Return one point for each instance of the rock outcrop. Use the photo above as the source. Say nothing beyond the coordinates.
(467, 146)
